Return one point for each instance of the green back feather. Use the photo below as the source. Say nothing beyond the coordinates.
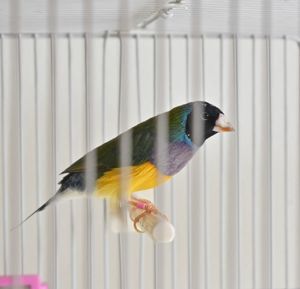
(143, 137)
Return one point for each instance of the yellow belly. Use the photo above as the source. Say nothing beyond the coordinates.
(133, 179)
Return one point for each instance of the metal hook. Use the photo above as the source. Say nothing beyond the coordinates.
(165, 12)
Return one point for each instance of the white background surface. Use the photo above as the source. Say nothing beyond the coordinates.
(233, 234)
(246, 17)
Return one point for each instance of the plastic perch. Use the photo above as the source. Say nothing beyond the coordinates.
(147, 218)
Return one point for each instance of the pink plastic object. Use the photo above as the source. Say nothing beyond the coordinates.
(22, 282)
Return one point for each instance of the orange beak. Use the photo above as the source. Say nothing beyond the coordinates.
(222, 124)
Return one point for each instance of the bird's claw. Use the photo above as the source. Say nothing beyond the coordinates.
(147, 207)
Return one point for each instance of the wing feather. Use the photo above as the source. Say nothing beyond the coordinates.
(107, 155)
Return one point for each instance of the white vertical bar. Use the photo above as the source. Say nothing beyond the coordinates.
(139, 100)
(125, 144)
(90, 165)
(154, 38)
(3, 186)
(20, 147)
(170, 72)
(121, 248)
(52, 8)
(141, 243)
(298, 222)
(173, 196)
(204, 176)
(125, 160)
(161, 128)
(196, 213)
(15, 171)
(155, 263)
(103, 84)
(237, 152)
(37, 145)
(286, 188)
(253, 163)
(120, 83)
(189, 191)
(269, 140)
(72, 211)
(106, 247)
(162, 124)
(13, 158)
(53, 110)
(221, 164)
(235, 27)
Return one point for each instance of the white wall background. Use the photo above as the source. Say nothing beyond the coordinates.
(235, 209)
(245, 17)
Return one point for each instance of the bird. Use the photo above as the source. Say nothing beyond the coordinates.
(153, 161)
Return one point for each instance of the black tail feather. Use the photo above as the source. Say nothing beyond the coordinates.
(41, 208)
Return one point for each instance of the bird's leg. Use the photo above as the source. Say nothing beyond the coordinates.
(142, 204)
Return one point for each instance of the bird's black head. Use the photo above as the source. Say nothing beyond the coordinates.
(204, 121)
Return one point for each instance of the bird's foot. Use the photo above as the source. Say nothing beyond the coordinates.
(146, 207)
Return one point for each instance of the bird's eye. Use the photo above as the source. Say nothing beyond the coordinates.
(205, 116)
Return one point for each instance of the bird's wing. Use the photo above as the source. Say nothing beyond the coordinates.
(107, 156)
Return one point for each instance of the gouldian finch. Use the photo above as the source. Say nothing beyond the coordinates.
(189, 125)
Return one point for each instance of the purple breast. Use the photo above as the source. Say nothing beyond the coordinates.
(172, 158)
